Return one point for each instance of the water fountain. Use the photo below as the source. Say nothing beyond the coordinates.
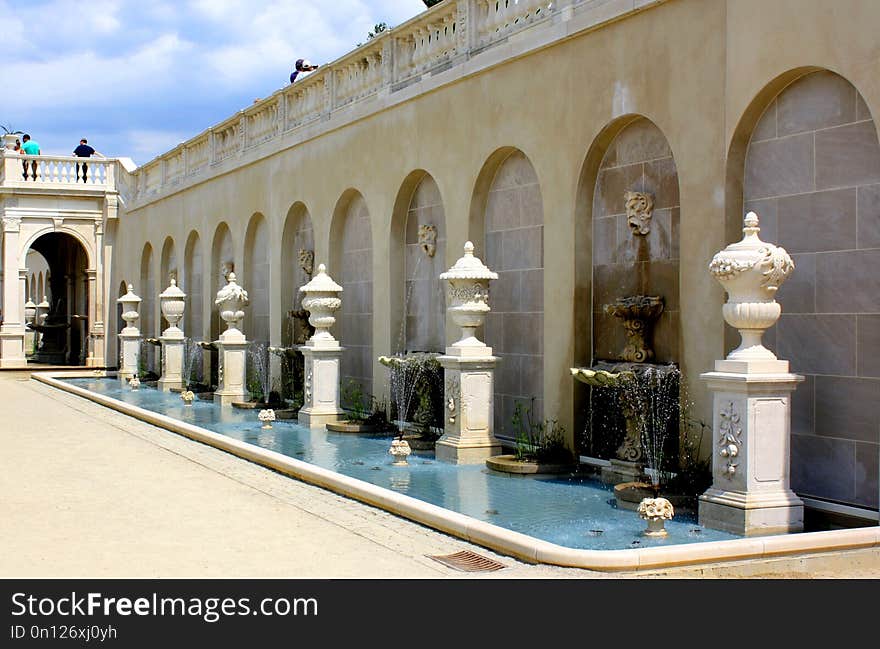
(411, 374)
(259, 378)
(633, 380)
(130, 336)
(193, 364)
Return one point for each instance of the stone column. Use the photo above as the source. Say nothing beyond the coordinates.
(95, 300)
(468, 367)
(173, 302)
(232, 344)
(750, 493)
(322, 353)
(12, 330)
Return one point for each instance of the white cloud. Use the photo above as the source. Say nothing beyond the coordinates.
(144, 73)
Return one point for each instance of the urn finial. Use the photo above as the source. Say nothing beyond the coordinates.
(751, 271)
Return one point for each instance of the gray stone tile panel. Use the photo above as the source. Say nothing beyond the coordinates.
(798, 293)
(816, 101)
(765, 129)
(848, 282)
(819, 221)
(802, 407)
(848, 408)
(866, 473)
(661, 180)
(823, 467)
(847, 155)
(869, 216)
(818, 344)
(611, 186)
(868, 345)
(779, 167)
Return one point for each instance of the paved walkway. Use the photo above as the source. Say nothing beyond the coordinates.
(89, 492)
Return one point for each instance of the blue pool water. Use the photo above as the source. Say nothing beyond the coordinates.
(575, 512)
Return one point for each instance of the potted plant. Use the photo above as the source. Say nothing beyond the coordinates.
(539, 448)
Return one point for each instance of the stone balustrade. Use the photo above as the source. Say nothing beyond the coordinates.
(443, 37)
(56, 170)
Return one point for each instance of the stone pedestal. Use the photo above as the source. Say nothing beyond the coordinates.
(172, 359)
(129, 353)
(469, 407)
(232, 370)
(321, 384)
(750, 493)
(12, 348)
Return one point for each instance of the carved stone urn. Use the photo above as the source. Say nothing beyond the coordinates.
(231, 299)
(134, 382)
(656, 511)
(172, 301)
(266, 417)
(399, 450)
(751, 271)
(30, 312)
(322, 301)
(469, 294)
(130, 305)
(637, 313)
(187, 396)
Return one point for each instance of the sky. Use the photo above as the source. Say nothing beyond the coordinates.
(137, 77)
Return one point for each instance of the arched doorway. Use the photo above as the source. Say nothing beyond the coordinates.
(63, 336)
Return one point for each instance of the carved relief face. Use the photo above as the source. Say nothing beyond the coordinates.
(639, 209)
(307, 261)
(428, 238)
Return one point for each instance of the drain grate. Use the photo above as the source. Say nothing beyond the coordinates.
(468, 561)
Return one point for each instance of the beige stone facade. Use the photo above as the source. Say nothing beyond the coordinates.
(522, 137)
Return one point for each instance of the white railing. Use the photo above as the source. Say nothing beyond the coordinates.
(497, 19)
(359, 74)
(446, 35)
(198, 154)
(430, 41)
(25, 170)
(262, 121)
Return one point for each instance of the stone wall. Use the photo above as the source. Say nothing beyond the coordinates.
(355, 322)
(425, 293)
(813, 176)
(514, 227)
(639, 160)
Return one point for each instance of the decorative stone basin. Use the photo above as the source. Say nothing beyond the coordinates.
(509, 464)
(637, 313)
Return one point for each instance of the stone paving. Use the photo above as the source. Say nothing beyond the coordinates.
(89, 492)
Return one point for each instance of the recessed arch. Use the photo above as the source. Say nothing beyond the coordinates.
(193, 286)
(73, 232)
(167, 269)
(629, 159)
(417, 293)
(222, 263)
(298, 264)
(507, 228)
(805, 156)
(351, 265)
(255, 278)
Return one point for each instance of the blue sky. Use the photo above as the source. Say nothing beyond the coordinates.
(138, 77)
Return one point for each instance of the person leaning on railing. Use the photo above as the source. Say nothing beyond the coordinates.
(84, 151)
(29, 147)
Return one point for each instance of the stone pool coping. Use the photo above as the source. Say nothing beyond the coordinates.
(479, 532)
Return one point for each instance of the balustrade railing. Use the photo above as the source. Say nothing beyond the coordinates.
(56, 170)
(428, 42)
(198, 154)
(441, 37)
